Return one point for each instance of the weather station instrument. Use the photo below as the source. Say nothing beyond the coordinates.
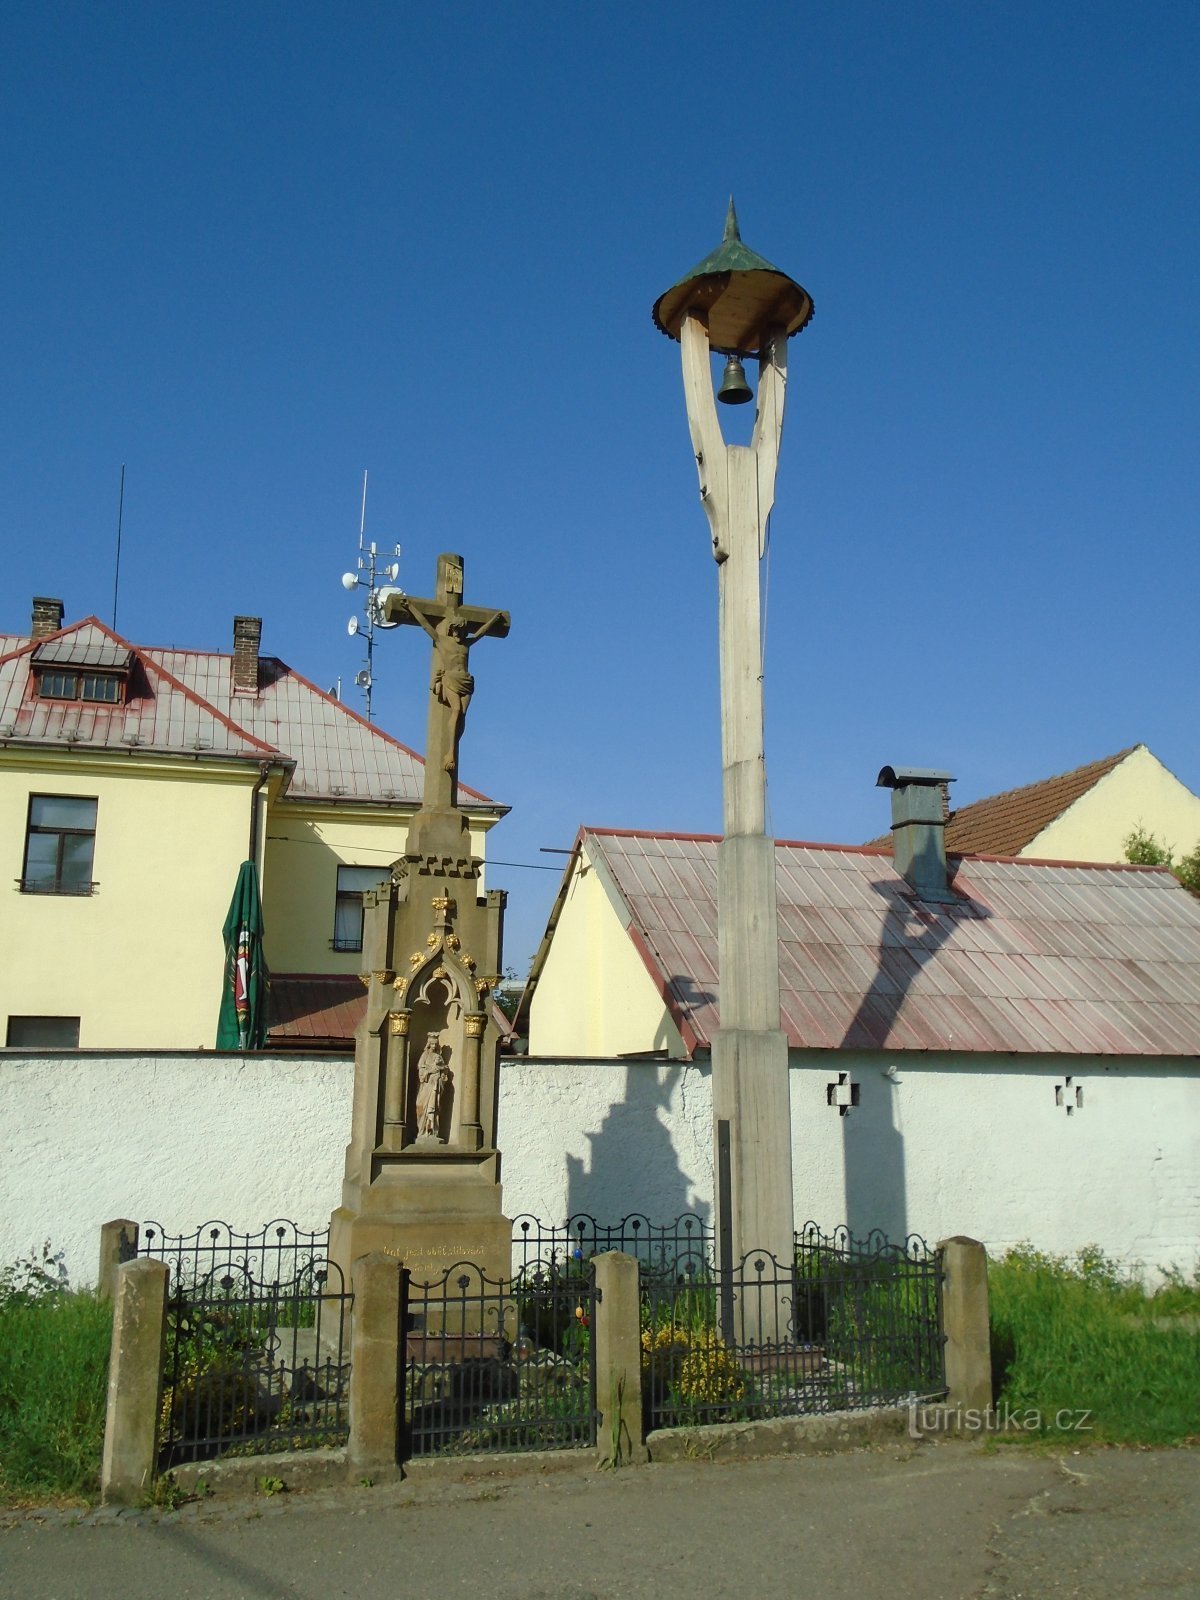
(376, 573)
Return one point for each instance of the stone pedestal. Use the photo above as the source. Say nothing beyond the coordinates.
(429, 1214)
(422, 1182)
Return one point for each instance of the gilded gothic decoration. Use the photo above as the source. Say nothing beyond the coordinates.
(433, 1098)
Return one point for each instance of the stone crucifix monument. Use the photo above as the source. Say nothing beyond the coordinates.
(422, 1179)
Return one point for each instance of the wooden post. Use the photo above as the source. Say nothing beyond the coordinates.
(751, 1092)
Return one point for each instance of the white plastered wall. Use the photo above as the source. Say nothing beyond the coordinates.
(980, 1145)
(947, 1145)
(594, 995)
(1141, 792)
(179, 1139)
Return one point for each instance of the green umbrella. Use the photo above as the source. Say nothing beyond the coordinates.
(243, 1021)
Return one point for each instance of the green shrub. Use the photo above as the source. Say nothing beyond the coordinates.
(54, 1347)
(1145, 850)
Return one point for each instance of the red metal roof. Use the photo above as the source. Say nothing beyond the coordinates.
(1032, 958)
(160, 714)
(183, 702)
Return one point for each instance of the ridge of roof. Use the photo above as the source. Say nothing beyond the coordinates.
(1015, 817)
(870, 850)
(644, 833)
(30, 644)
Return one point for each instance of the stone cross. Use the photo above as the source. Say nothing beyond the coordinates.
(453, 628)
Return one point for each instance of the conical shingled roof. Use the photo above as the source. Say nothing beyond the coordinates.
(739, 292)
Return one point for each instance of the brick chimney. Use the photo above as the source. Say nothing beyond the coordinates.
(919, 809)
(247, 631)
(47, 617)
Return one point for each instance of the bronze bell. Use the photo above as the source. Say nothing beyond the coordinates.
(734, 390)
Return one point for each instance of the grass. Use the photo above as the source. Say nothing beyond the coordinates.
(54, 1348)
(1081, 1334)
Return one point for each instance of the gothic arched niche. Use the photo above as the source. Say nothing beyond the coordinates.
(439, 995)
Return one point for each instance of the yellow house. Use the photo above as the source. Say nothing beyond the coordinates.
(133, 783)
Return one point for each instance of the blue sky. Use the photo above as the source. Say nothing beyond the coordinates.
(250, 250)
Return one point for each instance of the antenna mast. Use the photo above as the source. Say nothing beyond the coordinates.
(367, 575)
(117, 570)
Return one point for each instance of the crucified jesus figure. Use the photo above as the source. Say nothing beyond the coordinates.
(453, 628)
(452, 684)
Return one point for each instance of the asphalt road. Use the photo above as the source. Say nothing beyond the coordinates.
(939, 1521)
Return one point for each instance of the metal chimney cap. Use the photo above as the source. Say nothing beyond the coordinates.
(903, 777)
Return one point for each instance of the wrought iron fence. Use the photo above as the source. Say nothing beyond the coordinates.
(875, 1308)
(497, 1365)
(675, 1251)
(844, 1326)
(276, 1252)
(258, 1354)
(258, 1336)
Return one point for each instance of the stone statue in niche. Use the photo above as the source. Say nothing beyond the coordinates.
(433, 1079)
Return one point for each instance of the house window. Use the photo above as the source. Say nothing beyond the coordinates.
(59, 843)
(105, 687)
(42, 1033)
(58, 685)
(100, 686)
(352, 883)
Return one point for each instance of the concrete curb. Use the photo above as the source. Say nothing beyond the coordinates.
(780, 1436)
(330, 1469)
(724, 1441)
(304, 1471)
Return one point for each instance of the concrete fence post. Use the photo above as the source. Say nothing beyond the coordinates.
(135, 1381)
(617, 1354)
(118, 1243)
(376, 1364)
(965, 1324)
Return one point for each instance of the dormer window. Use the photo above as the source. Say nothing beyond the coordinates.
(107, 688)
(76, 669)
